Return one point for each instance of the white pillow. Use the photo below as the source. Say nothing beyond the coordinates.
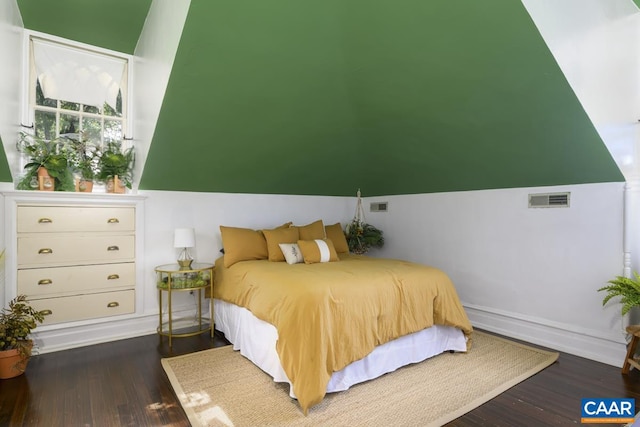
(291, 252)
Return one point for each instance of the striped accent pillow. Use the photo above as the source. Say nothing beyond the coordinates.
(318, 250)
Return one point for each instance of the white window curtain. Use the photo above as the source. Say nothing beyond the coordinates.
(77, 75)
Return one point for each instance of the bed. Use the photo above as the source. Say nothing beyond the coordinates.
(324, 326)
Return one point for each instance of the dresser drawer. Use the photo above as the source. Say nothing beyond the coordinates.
(50, 250)
(82, 307)
(54, 219)
(39, 283)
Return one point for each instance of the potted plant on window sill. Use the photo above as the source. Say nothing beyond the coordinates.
(115, 167)
(47, 169)
(16, 323)
(84, 157)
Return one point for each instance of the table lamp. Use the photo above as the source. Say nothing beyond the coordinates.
(184, 238)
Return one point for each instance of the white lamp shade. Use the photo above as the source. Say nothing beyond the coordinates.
(184, 238)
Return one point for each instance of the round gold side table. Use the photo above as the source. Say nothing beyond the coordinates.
(173, 278)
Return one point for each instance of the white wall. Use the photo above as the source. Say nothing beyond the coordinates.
(596, 44)
(166, 210)
(158, 214)
(153, 59)
(526, 273)
(10, 75)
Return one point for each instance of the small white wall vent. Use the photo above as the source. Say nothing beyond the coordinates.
(549, 200)
(379, 206)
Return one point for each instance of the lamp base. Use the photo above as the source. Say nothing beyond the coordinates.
(185, 263)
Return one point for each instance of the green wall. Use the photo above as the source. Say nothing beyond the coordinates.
(5, 172)
(324, 97)
(111, 24)
(258, 102)
(471, 100)
(392, 97)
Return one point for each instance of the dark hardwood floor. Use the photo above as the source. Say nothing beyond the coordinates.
(123, 384)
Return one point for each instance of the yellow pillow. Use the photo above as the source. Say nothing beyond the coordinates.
(336, 235)
(312, 231)
(275, 237)
(285, 225)
(318, 250)
(242, 244)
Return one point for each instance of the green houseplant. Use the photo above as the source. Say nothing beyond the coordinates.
(628, 288)
(116, 162)
(362, 236)
(84, 157)
(47, 160)
(16, 323)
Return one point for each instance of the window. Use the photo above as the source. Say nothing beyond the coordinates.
(54, 117)
(77, 92)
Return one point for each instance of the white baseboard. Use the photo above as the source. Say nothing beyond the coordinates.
(594, 345)
(81, 334)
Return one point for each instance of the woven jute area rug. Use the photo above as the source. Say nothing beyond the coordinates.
(219, 387)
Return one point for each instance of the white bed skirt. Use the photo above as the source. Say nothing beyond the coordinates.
(256, 340)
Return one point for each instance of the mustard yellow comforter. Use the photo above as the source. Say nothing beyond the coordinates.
(331, 314)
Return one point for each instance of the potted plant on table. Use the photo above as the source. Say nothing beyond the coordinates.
(48, 168)
(16, 323)
(628, 289)
(115, 167)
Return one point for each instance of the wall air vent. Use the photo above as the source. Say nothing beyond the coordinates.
(379, 207)
(549, 200)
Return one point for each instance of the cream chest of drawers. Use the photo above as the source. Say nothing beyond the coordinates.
(76, 262)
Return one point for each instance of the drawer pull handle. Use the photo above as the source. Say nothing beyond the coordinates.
(113, 248)
(45, 282)
(44, 221)
(113, 277)
(47, 312)
(45, 251)
(113, 304)
(113, 221)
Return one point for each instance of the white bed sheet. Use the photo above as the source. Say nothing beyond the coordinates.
(256, 340)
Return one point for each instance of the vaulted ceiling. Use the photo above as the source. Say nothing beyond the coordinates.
(326, 97)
